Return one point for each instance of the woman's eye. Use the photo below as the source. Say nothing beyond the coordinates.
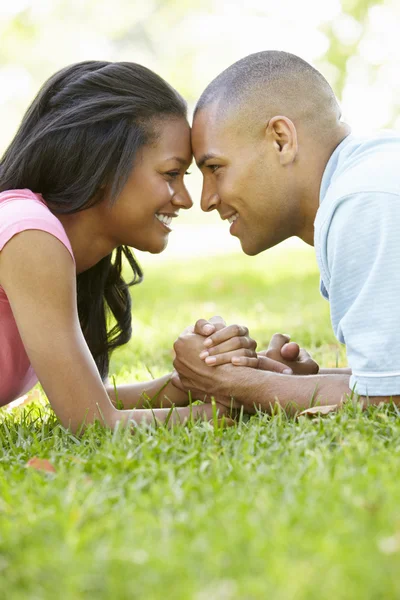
(175, 174)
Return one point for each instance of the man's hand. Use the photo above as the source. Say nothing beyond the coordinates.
(228, 343)
(194, 374)
(296, 360)
(224, 341)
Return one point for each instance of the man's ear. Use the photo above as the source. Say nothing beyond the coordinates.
(282, 132)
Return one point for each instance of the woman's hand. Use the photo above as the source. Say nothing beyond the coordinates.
(221, 344)
(295, 360)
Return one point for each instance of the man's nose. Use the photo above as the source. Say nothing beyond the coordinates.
(182, 199)
(209, 199)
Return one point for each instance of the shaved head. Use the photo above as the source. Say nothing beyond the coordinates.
(262, 134)
(271, 83)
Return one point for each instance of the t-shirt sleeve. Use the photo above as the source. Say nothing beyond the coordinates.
(20, 215)
(363, 273)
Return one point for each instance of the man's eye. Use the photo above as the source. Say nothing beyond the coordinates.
(213, 168)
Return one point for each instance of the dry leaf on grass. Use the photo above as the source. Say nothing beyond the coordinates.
(315, 411)
(41, 464)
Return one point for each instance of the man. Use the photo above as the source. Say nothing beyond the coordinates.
(278, 161)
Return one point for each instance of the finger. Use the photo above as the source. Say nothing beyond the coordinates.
(203, 327)
(235, 343)
(277, 341)
(226, 357)
(226, 334)
(263, 363)
(245, 361)
(290, 351)
(218, 321)
(268, 364)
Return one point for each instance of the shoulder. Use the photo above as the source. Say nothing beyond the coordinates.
(44, 265)
(22, 210)
(361, 176)
(362, 165)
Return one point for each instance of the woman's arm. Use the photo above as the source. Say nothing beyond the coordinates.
(38, 276)
(158, 393)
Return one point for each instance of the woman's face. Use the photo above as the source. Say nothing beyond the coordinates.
(155, 191)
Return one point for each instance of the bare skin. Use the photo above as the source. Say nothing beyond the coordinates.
(267, 184)
(42, 292)
(259, 389)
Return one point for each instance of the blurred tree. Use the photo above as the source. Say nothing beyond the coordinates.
(354, 15)
(188, 42)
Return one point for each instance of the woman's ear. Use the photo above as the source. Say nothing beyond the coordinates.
(282, 132)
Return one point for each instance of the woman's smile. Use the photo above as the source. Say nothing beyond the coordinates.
(166, 219)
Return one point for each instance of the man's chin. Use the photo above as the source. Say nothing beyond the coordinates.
(249, 249)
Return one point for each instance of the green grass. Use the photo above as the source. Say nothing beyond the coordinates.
(273, 508)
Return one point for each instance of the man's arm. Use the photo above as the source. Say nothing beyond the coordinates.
(258, 389)
(262, 390)
(346, 371)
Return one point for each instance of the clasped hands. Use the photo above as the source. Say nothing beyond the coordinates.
(207, 354)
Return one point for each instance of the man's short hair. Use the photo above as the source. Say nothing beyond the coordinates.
(275, 79)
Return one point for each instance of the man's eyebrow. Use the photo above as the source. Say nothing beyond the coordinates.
(205, 158)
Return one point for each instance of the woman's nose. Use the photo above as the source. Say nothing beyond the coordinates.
(182, 199)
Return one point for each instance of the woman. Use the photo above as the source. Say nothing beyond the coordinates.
(96, 167)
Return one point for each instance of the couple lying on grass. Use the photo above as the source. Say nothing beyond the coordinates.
(97, 167)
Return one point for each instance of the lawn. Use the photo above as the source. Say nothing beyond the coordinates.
(273, 508)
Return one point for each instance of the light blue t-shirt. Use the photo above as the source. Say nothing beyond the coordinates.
(357, 243)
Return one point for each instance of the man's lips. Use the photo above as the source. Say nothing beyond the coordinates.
(231, 217)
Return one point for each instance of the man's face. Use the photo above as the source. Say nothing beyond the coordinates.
(243, 179)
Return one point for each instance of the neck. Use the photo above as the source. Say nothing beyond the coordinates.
(89, 243)
(316, 157)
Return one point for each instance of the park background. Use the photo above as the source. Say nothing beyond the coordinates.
(275, 507)
(354, 43)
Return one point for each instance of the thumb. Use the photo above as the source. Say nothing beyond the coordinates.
(218, 322)
(203, 327)
(277, 341)
(290, 351)
(175, 380)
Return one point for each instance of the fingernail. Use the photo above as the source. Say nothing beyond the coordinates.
(210, 360)
(208, 329)
(203, 354)
(287, 372)
(208, 342)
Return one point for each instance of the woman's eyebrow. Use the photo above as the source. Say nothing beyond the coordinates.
(179, 159)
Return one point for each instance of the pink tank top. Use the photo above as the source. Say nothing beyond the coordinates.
(20, 210)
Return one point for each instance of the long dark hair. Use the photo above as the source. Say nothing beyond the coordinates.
(79, 137)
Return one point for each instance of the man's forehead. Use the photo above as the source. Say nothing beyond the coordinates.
(211, 130)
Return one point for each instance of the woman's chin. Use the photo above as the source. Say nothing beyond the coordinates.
(158, 248)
